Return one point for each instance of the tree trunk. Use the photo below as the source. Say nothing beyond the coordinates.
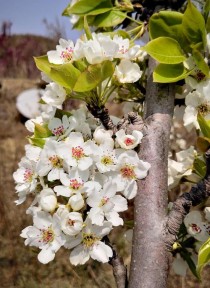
(150, 258)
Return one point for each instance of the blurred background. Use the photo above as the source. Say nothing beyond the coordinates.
(31, 28)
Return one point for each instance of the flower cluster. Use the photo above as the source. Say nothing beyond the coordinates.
(98, 49)
(80, 177)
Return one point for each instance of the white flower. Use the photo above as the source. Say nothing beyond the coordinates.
(63, 52)
(207, 213)
(197, 102)
(47, 200)
(50, 161)
(60, 128)
(128, 141)
(123, 46)
(179, 266)
(45, 234)
(129, 169)
(26, 179)
(127, 71)
(54, 95)
(71, 222)
(196, 227)
(76, 151)
(102, 136)
(106, 204)
(105, 158)
(79, 122)
(90, 244)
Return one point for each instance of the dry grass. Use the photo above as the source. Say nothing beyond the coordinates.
(18, 264)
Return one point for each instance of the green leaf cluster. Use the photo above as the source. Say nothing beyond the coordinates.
(98, 13)
(203, 256)
(173, 36)
(40, 133)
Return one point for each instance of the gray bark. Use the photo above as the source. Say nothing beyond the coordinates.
(150, 258)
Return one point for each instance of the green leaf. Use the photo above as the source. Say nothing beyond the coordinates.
(87, 29)
(208, 25)
(60, 113)
(193, 26)
(199, 167)
(168, 73)
(98, 11)
(204, 125)
(165, 23)
(41, 131)
(203, 256)
(165, 50)
(109, 19)
(83, 7)
(65, 75)
(200, 62)
(93, 75)
(206, 10)
(186, 255)
(203, 144)
(40, 142)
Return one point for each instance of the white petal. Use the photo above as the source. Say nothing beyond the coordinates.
(46, 255)
(101, 252)
(79, 255)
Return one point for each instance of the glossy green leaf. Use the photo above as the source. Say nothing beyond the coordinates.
(40, 142)
(206, 10)
(93, 75)
(193, 26)
(87, 29)
(99, 11)
(165, 50)
(203, 256)
(204, 125)
(200, 62)
(186, 255)
(65, 75)
(60, 113)
(165, 23)
(109, 19)
(41, 131)
(83, 7)
(203, 144)
(200, 167)
(168, 73)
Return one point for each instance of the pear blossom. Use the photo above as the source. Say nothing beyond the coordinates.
(128, 141)
(60, 128)
(47, 200)
(179, 266)
(54, 95)
(77, 152)
(197, 101)
(196, 227)
(127, 71)
(129, 169)
(71, 222)
(63, 52)
(26, 179)
(102, 136)
(123, 46)
(106, 204)
(50, 163)
(45, 234)
(105, 158)
(88, 244)
(79, 121)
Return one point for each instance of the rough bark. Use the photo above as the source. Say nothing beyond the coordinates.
(150, 258)
(182, 205)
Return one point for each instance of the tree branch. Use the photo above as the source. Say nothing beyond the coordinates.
(150, 259)
(103, 115)
(182, 205)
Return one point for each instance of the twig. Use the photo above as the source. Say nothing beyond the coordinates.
(182, 205)
(103, 115)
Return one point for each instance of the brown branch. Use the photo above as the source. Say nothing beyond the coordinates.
(182, 205)
(103, 115)
(119, 270)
